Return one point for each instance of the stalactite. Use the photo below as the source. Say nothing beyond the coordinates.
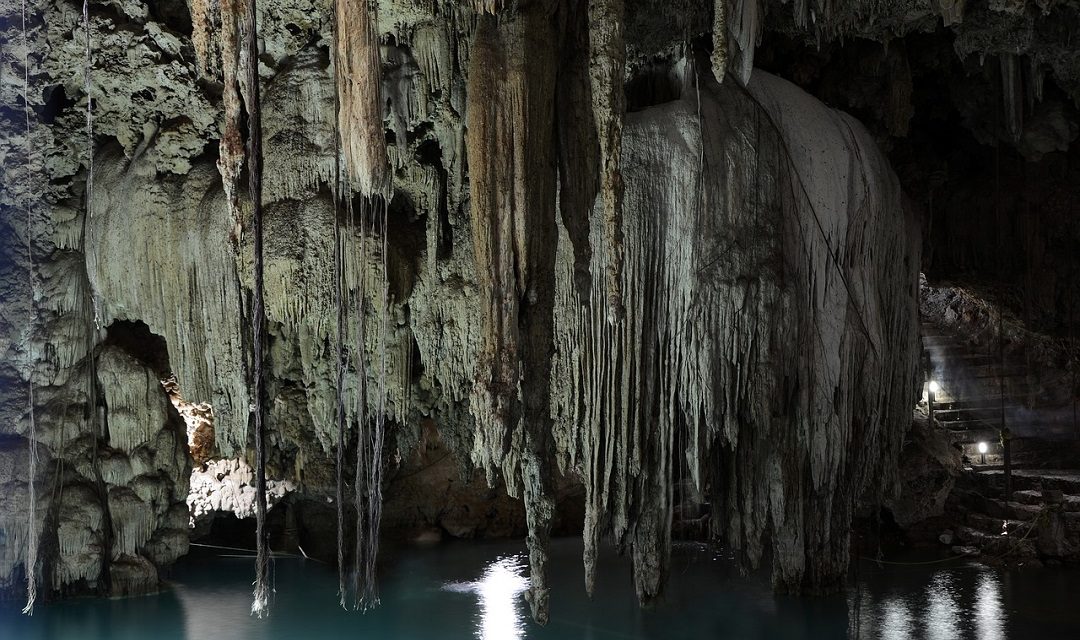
(1012, 96)
(488, 6)
(488, 139)
(745, 21)
(32, 467)
(248, 35)
(231, 145)
(94, 317)
(729, 365)
(720, 39)
(579, 150)
(359, 72)
(510, 146)
(202, 36)
(607, 70)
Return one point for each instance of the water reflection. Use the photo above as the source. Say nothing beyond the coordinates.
(503, 581)
(955, 603)
(943, 610)
(989, 616)
(896, 619)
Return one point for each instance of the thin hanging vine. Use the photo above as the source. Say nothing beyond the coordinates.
(342, 365)
(31, 538)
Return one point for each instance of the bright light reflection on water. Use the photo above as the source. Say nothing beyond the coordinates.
(896, 623)
(989, 616)
(499, 589)
(942, 613)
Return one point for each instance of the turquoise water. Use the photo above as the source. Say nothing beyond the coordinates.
(472, 590)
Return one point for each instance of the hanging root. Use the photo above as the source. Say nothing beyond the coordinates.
(363, 436)
(608, 66)
(248, 34)
(342, 365)
(32, 538)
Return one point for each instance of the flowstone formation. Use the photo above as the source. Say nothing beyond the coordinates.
(716, 289)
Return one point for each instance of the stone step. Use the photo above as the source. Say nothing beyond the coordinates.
(1066, 481)
(978, 502)
(1035, 497)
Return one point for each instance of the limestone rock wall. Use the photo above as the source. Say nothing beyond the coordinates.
(762, 357)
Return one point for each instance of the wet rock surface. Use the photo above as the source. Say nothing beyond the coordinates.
(765, 357)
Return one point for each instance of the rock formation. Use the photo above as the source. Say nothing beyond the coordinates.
(550, 230)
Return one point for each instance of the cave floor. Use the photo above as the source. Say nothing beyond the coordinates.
(472, 589)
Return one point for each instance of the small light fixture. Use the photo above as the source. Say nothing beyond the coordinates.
(934, 386)
(983, 448)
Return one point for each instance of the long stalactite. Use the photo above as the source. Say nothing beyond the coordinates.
(511, 150)
(231, 146)
(360, 121)
(607, 70)
(720, 39)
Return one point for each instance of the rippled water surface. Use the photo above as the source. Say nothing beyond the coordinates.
(474, 590)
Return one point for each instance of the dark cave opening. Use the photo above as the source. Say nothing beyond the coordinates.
(135, 338)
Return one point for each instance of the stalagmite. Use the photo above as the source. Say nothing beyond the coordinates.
(607, 70)
(32, 437)
(360, 120)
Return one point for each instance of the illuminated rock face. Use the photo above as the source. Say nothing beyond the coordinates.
(754, 364)
(764, 356)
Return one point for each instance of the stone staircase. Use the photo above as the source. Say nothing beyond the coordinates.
(1040, 521)
(979, 392)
